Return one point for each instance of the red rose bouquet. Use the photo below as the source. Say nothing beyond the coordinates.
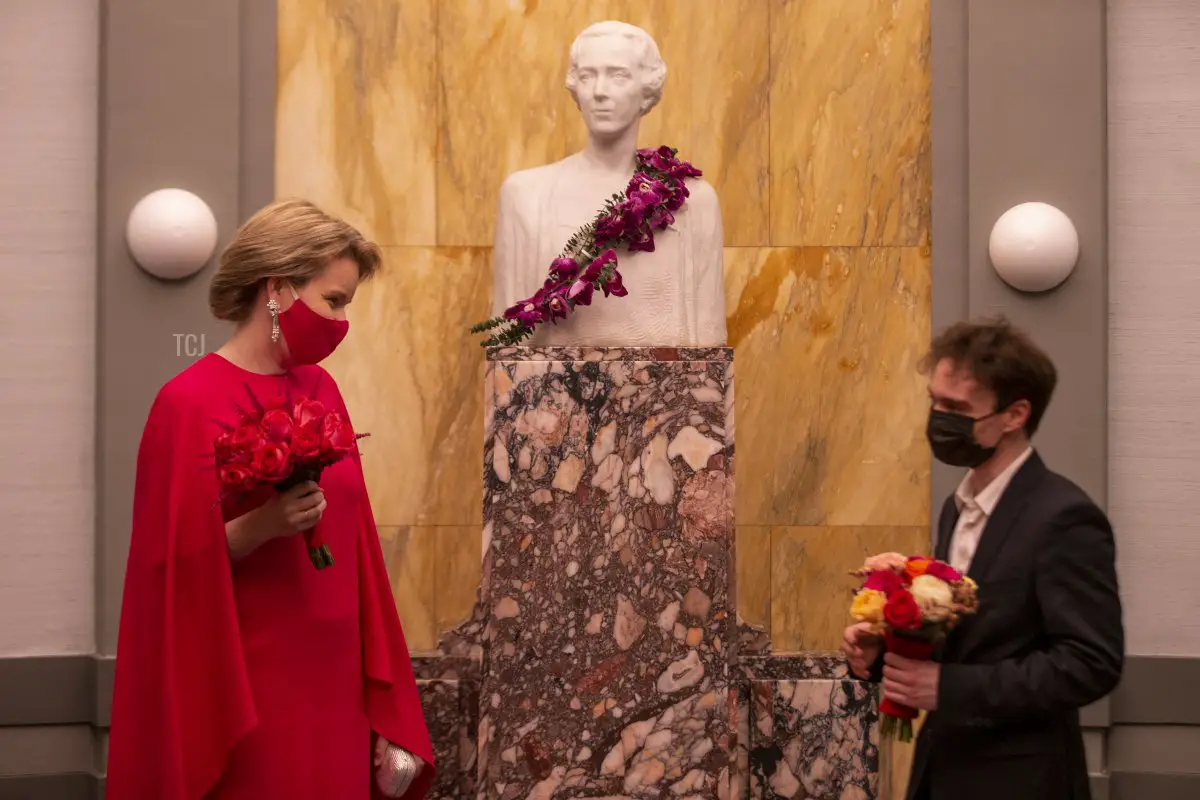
(914, 602)
(281, 445)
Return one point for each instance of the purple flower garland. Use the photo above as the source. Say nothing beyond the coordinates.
(589, 261)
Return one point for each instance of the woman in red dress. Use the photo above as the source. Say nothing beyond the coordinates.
(243, 672)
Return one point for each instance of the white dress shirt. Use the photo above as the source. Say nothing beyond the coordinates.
(974, 510)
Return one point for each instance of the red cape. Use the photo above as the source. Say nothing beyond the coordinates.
(182, 697)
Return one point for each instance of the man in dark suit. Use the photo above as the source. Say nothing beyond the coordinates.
(1003, 697)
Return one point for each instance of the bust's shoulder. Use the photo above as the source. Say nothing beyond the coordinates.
(525, 182)
(701, 194)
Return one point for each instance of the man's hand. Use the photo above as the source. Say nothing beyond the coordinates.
(862, 648)
(913, 683)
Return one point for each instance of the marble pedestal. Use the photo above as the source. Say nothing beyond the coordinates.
(604, 658)
(607, 574)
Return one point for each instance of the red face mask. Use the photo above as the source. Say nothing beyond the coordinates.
(310, 337)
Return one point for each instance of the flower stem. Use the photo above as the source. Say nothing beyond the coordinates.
(320, 556)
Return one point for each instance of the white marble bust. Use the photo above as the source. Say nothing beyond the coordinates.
(676, 294)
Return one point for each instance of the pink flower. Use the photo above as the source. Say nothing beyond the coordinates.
(893, 561)
(661, 217)
(615, 286)
(528, 312)
(682, 169)
(661, 159)
(621, 221)
(581, 292)
(641, 241)
(678, 196)
(600, 263)
(558, 307)
(564, 268)
(884, 581)
(943, 571)
(646, 192)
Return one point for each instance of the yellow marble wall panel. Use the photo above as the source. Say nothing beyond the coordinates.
(729, 134)
(812, 121)
(850, 110)
(830, 404)
(458, 572)
(413, 380)
(505, 107)
(753, 596)
(811, 587)
(411, 555)
(357, 124)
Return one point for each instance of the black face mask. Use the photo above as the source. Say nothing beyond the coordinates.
(952, 439)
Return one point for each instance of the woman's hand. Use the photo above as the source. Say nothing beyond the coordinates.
(299, 508)
(285, 514)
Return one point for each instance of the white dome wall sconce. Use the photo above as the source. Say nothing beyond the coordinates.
(1034, 247)
(171, 234)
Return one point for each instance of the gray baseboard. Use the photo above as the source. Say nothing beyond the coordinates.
(77, 689)
(1147, 724)
(1153, 786)
(56, 690)
(71, 786)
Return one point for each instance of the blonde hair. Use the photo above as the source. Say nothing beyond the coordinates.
(290, 239)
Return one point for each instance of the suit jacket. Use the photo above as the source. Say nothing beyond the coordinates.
(1047, 639)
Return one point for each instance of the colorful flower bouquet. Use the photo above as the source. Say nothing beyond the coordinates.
(589, 260)
(281, 445)
(913, 602)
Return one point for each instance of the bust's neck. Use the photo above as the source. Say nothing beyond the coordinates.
(617, 154)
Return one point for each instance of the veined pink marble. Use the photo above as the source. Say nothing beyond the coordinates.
(813, 738)
(608, 568)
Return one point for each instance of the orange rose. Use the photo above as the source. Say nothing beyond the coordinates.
(917, 565)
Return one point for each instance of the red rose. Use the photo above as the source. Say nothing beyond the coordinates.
(884, 580)
(236, 477)
(902, 611)
(277, 426)
(337, 437)
(943, 571)
(271, 462)
(224, 450)
(308, 411)
(246, 439)
(306, 441)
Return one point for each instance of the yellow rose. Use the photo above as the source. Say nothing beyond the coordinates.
(868, 606)
(933, 596)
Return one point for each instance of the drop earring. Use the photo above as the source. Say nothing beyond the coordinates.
(273, 307)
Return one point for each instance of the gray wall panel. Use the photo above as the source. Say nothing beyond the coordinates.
(1036, 131)
(170, 118)
(948, 62)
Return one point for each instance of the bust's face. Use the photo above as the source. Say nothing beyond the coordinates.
(609, 84)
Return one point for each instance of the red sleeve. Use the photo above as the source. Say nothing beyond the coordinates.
(181, 699)
(393, 703)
